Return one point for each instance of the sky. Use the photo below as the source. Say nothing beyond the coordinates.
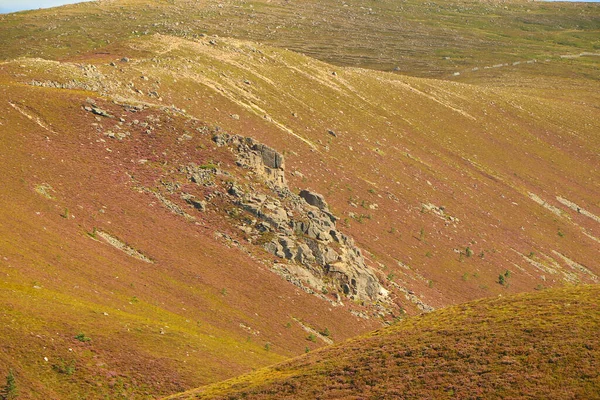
(7, 6)
(17, 5)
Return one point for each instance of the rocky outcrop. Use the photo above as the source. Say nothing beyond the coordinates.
(299, 228)
(314, 199)
(265, 162)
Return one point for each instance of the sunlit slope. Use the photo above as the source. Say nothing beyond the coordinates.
(537, 345)
(446, 186)
(451, 191)
(413, 37)
(104, 291)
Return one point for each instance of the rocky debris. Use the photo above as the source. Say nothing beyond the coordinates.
(45, 190)
(578, 209)
(171, 206)
(118, 134)
(83, 77)
(172, 187)
(124, 247)
(440, 212)
(98, 111)
(199, 205)
(298, 228)
(249, 329)
(202, 175)
(548, 206)
(577, 267)
(133, 108)
(185, 137)
(413, 298)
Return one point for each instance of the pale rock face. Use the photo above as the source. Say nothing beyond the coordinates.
(301, 227)
(314, 199)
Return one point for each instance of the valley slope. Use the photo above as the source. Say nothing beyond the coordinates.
(153, 172)
(538, 345)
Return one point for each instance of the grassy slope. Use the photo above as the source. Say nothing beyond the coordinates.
(478, 150)
(424, 39)
(537, 345)
(423, 128)
(200, 313)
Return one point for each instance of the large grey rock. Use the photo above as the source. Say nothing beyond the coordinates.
(314, 199)
(304, 254)
(276, 249)
(330, 256)
(270, 157)
(288, 246)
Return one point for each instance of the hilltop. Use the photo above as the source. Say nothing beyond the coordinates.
(539, 345)
(192, 192)
(431, 39)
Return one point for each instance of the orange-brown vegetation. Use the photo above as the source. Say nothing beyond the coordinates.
(470, 185)
(536, 345)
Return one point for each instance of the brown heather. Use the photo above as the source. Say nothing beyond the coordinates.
(542, 345)
(456, 141)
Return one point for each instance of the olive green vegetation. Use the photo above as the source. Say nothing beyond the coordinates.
(9, 391)
(537, 345)
(412, 37)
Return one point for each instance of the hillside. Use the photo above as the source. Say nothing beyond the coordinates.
(430, 39)
(105, 236)
(538, 345)
(182, 204)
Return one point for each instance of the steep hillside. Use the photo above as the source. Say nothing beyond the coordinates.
(119, 273)
(180, 208)
(538, 345)
(444, 185)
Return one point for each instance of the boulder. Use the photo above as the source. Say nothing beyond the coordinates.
(275, 248)
(304, 255)
(199, 205)
(314, 199)
(270, 157)
(289, 247)
(330, 256)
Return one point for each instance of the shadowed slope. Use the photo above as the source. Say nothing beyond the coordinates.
(538, 345)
